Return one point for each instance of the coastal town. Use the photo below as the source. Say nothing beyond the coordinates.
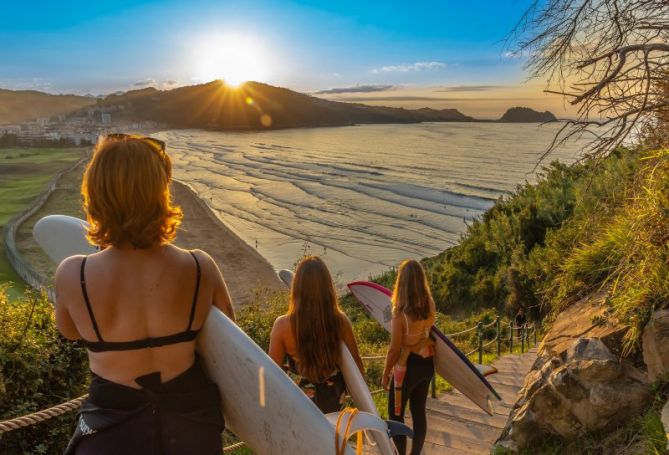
(79, 128)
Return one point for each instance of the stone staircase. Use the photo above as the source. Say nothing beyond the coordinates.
(457, 426)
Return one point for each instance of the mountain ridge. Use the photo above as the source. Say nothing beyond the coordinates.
(215, 105)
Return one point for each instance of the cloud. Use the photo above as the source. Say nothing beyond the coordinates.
(511, 54)
(356, 89)
(410, 67)
(145, 83)
(469, 88)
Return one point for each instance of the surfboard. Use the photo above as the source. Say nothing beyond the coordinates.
(355, 382)
(60, 235)
(261, 404)
(449, 362)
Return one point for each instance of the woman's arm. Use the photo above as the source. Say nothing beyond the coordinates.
(221, 296)
(64, 280)
(352, 344)
(277, 347)
(394, 349)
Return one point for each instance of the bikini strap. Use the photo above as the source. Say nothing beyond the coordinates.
(197, 290)
(88, 303)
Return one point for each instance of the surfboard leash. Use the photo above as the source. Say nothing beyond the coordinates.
(352, 413)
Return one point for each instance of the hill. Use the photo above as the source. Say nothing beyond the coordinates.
(526, 115)
(22, 105)
(256, 106)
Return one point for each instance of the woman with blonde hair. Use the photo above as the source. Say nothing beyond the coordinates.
(309, 336)
(409, 366)
(138, 305)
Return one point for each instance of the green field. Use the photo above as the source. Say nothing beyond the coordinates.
(23, 176)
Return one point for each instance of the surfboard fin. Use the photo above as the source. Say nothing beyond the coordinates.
(398, 429)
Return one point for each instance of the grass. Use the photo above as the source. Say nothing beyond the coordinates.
(23, 174)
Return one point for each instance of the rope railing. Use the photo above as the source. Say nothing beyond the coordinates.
(462, 332)
(41, 416)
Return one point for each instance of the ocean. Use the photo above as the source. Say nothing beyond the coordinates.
(361, 197)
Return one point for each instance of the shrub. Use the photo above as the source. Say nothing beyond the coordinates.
(38, 369)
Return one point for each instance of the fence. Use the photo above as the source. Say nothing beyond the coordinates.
(27, 273)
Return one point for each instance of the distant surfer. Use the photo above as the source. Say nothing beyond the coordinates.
(409, 366)
(310, 334)
(138, 305)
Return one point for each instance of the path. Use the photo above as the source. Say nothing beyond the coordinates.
(457, 426)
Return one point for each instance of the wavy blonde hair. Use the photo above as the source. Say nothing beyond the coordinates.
(315, 319)
(411, 295)
(127, 195)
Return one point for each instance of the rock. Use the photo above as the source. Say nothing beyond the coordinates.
(583, 389)
(526, 115)
(588, 318)
(655, 341)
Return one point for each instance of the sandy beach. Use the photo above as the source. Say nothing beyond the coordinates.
(244, 269)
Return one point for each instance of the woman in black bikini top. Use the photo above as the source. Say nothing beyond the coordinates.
(138, 306)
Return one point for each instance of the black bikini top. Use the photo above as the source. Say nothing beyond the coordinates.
(150, 342)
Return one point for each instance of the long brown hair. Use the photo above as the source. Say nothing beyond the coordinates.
(412, 295)
(315, 319)
(127, 195)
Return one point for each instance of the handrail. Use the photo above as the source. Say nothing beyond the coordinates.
(451, 335)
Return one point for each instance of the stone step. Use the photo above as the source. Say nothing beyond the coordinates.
(436, 449)
(477, 432)
(475, 415)
(499, 410)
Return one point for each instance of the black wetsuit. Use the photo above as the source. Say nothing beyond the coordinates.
(415, 388)
(327, 395)
(181, 416)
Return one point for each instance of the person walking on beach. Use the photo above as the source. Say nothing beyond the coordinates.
(309, 336)
(409, 366)
(138, 306)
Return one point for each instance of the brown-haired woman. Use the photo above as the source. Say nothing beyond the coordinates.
(409, 366)
(138, 305)
(310, 336)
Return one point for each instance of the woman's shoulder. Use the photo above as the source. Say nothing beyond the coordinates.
(69, 267)
(282, 322)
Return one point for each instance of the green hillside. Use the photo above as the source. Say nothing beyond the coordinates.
(22, 105)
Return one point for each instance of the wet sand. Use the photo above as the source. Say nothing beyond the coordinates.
(244, 269)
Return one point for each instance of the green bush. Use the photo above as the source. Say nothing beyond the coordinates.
(38, 369)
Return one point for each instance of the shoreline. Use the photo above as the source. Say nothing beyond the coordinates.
(244, 269)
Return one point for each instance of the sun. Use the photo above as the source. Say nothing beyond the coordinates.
(233, 58)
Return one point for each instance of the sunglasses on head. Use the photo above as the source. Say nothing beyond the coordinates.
(157, 143)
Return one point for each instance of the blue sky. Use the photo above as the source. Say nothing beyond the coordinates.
(407, 52)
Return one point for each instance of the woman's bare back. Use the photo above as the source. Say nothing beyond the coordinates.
(137, 294)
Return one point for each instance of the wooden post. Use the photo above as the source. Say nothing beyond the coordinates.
(480, 331)
(522, 338)
(499, 336)
(535, 334)
(511, 338)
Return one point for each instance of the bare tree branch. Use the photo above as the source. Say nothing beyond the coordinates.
(609, 58)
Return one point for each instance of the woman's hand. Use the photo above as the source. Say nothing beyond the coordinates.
(385, 381)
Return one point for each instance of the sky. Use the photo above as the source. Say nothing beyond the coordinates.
(400, 53)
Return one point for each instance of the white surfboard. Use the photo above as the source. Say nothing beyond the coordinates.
(449, 361)
(355, 383)
(60, 235)
(261, 404)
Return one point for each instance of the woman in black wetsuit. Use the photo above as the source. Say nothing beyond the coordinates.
(310, 335)
(409, 361)
(138, 306)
